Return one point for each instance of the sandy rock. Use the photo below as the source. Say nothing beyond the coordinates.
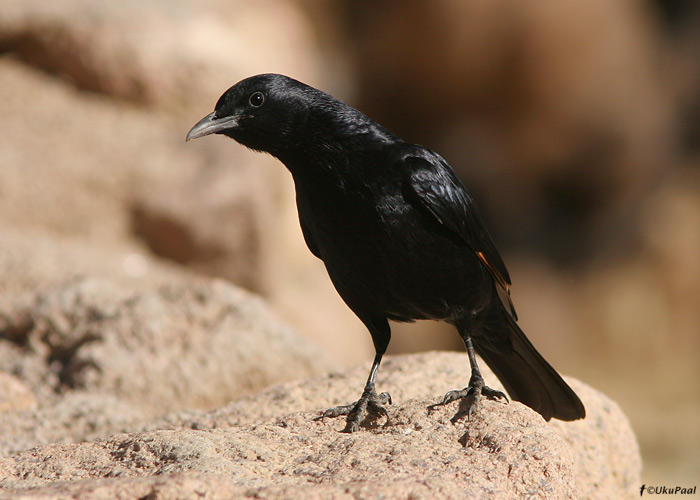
(70, 189)
(125, 155)
(76, 416)
(74, 161)
(605, 448)
(257, 447)
(506, 452)
(33, 258)
(169, 486)
(70, 161)
(89, 332)
(218, 216)
(603, 437)
(102, 165)
(167, 53)
(14, 395)
(187, 344)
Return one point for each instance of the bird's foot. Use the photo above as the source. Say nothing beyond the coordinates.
(369, 406)
(472, 393)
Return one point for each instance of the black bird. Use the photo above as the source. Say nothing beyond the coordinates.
(400, 236)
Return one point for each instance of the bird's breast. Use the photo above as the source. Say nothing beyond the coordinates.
(382, 253)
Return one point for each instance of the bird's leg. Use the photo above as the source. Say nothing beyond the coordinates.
(476, 387)
(370, 403)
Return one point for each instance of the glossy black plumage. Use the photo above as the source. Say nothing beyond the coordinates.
(399, 234)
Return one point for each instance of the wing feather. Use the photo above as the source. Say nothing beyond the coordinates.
(433, 186)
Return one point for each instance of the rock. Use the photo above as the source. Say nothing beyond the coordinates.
(178, 58)
(231, 214)
(70, 161)
(187, 344)
(93, 194)
(74, 417)
(218, 216)
(33, 258)
(170, 486)
(606, 452)
(256, 447)
(506, 452)
(14, 395)
(603, 437)
(101, 166)
(176, 52)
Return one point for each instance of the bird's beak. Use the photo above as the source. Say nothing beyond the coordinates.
(210, 124)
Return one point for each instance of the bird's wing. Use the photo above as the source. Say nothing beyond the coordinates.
(433, 186)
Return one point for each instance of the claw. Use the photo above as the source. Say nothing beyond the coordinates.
(494, 394)
(454, 396)
(384, 398)
(472, 394)
(370, 405)
(336, 411)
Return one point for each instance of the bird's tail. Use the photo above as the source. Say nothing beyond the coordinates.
(525, 374)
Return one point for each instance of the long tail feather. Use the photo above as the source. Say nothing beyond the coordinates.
(525, 374)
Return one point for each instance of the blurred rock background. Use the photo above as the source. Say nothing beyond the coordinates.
(576, 126)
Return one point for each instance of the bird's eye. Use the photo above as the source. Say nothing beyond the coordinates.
(256, 99)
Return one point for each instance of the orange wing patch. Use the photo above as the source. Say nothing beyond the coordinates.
(497, 276)
(505, 286)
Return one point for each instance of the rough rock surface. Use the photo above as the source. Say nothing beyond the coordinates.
(255, 447)
(506, 452)
(188, 344)
(606, 452)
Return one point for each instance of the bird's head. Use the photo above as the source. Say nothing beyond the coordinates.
(264, 112)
